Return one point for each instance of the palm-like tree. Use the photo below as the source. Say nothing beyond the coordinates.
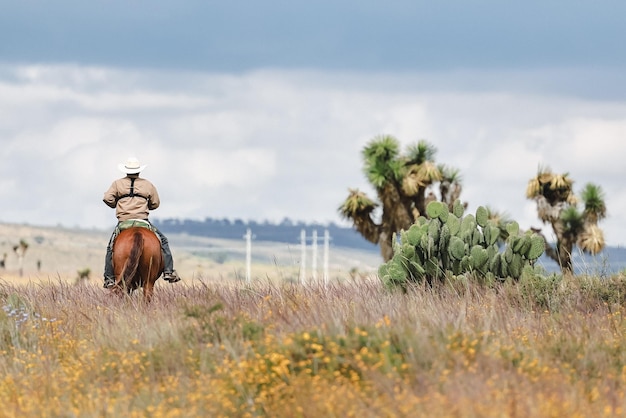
(401, 182)
(20, 251)
(557, 206)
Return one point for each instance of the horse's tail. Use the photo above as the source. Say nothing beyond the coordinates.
(132, 263)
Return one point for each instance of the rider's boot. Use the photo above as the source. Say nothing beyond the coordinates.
(109, 274)
(109, 282)
(171, 276)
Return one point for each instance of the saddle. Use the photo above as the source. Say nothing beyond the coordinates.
(131, 223)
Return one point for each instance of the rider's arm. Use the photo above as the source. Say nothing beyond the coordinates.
(110, 196)
(154, 200)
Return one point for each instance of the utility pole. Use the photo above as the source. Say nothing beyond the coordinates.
(326, 251)
(303, 256)
(314, 248)
(314, 259)
(248, 238)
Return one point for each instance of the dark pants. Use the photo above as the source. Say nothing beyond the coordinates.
(165, 249)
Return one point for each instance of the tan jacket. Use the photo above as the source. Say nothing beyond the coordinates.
(126, 207)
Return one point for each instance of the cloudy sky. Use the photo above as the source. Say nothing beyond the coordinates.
(259, 110)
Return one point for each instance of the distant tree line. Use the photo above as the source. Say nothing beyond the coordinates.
(286, 231)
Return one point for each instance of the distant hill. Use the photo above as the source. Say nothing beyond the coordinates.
(611, 260)
(59, 252)
(286, 231)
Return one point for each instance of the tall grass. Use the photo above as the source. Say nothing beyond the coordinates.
(540, 347)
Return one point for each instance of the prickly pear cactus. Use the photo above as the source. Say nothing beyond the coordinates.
(434, 209)
(482, 216)
(454, 243)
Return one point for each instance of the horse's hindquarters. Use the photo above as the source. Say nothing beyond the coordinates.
(137, 259)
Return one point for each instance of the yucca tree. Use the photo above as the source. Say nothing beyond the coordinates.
(20, 251)
(401, 181)
(557, 205)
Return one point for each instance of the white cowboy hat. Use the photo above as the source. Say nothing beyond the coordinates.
(131, 166)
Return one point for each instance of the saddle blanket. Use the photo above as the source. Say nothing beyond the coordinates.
(130, 223)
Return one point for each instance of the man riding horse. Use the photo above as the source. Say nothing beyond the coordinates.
(133, 197)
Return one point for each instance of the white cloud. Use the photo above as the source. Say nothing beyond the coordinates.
(275, 144)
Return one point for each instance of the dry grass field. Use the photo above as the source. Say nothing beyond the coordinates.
(216, 346)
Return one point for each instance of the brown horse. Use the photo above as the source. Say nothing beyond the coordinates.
(137, 261)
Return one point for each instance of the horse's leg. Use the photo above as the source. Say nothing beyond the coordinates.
(148, 291)
(119, 288)
(148, 287)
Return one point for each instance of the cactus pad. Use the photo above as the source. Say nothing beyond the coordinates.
(504, 266)
(414, 234)
(408, 251)
(537, 246)
(515, 266)
(494, 264)
(508, 254)
(433, 230)
(482, 216)
(456, 248)
(458, 209)
(434, 209)
(454, 224)
(526, 244)
(479, 257)
(443, 216)
(466, 263)
(468, 223)
(512, 228)
(494, 234)
(444, 237)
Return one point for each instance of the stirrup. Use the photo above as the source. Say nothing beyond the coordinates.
(109, 282)
(171, 277)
